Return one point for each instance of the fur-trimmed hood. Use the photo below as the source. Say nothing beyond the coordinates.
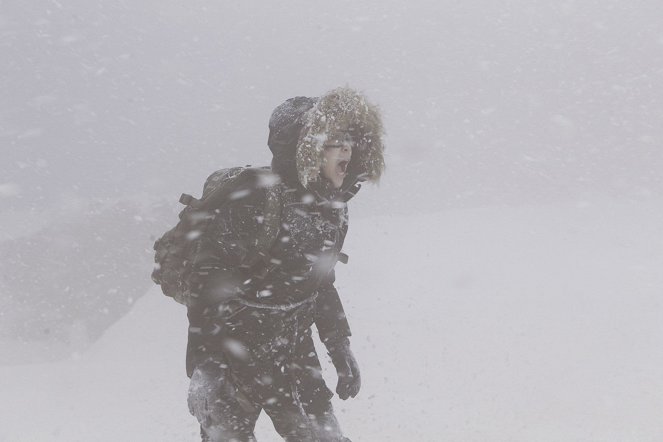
(299, 128)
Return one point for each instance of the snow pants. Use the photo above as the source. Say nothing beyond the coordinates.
(245, 360)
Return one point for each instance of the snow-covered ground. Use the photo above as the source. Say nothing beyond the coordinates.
(494, 324)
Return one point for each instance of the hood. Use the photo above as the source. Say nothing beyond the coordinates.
(285, 126)
(299, 128)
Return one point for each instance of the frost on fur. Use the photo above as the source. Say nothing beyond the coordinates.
(342, 109)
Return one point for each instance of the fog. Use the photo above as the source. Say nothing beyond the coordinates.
(486, 101)
(111, 109)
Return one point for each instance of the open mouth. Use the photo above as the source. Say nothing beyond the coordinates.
(342, 166)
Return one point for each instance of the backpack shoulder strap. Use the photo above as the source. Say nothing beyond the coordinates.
(271, 223)
(269, 229)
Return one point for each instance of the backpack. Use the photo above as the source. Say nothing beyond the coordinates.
(176, 250)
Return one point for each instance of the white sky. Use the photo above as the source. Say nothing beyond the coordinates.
(484, 102)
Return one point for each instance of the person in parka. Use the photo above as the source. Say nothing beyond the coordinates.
(250, 346)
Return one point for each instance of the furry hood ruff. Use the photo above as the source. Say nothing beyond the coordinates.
(300, 126)
(341, 109)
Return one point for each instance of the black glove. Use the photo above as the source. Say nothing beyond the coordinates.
(349, 379)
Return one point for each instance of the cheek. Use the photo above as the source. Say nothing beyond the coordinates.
(327, 164)
(327, 170)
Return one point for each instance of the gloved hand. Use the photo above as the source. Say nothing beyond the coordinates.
(349, 379)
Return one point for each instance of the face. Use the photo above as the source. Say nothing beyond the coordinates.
(336, 160)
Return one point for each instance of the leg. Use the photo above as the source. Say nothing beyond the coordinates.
(314, 394)
(282, 404)
(327, 426)
(274, 387)
(224, 414)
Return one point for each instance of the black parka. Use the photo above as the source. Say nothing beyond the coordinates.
(308, 229)
(314, 222)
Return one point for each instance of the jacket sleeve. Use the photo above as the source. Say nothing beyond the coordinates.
(330, 317)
